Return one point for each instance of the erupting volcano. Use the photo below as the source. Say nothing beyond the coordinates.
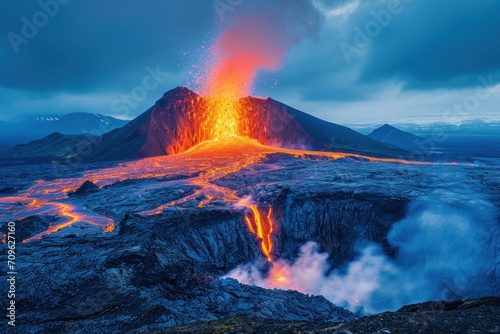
(221, 209)
(183, 128)
(197, 208)
(216, 133)
(202, 203)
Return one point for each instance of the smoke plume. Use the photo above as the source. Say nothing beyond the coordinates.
(443, 251)
(256, 36)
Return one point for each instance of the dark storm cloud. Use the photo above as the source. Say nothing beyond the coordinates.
(96, 51)
(425, 45)
(442, 44)
(88, 43)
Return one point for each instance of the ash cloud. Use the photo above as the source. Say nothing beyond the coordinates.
(256, 36)
(443, 251)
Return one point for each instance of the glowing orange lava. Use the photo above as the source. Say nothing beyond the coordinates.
(280, 277)
(68, 212)
(209, 161)
(263, 229)
(213, 133)
(230, 70)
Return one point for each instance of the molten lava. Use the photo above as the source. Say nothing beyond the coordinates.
(236, 56)
(210, 136)
(72, 216)
(262, 229)
(217, 134)
(209, 161)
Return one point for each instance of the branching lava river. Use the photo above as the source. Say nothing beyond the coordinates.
(206, 162)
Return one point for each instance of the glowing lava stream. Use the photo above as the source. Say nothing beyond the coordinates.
(209, 161)
(262, 229)
(68, 211)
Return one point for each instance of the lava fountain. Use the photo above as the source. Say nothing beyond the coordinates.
(236, 56)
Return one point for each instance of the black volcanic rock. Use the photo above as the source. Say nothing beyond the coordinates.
(150, 133)
(7, 190)
(390, 135)
(481, 317)
(29, 226)
(472, 316)
(88, 187)
(157, 271)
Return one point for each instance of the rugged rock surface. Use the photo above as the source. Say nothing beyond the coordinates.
(160, 270)
(88, 187)
(470, 316)
(143, 278)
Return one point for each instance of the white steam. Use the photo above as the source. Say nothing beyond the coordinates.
(443, 252)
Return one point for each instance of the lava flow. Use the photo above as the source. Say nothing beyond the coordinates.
(213, 140)
(262, 227)
(209, 161)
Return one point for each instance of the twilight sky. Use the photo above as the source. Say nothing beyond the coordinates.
(345, 61)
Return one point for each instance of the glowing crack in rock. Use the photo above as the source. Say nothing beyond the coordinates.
(261, 225)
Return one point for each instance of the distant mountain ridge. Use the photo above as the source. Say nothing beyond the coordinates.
(341, 138)
(390, 135)
(55, 146)
(437, 127)
(38, 126)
